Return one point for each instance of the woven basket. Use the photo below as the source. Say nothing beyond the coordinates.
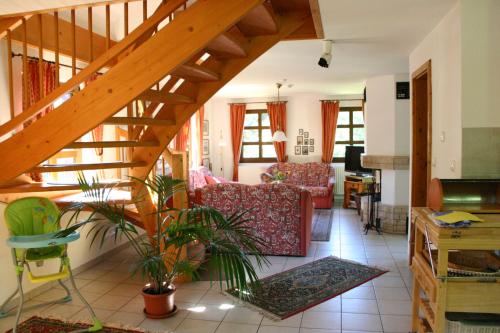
(472, 323)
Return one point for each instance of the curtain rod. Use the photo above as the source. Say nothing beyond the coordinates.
(52, 62)
(341, 100)
(259, 102)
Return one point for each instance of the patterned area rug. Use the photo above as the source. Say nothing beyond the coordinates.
(322, 225)
(284, 294)
(45, 325)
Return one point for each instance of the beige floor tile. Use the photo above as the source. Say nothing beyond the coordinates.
(51, 295)
(392, 294)
(197, 326)
(325, 320)
(135, 305)
(332, 305)
(361, 322)
(360, 292)
(113, 276)
(91, 274)
(207, 312)
(84, 315)
(293, 321)
(189, 296)
(62, 310)
(389, 281)
(167, 324)
(216, 297)
(394, 307)
(317, 330)
(277, 329)
(99, 287)
(396, 323)
(110, 302)
(236, 328)
(243, 315)
(356, 305)
(127, 318)
(128, 290)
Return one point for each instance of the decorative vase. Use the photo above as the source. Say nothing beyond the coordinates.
(157, 306)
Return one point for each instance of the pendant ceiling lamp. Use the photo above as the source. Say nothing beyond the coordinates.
(279, 135)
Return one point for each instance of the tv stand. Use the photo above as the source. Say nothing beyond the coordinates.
(354, 184)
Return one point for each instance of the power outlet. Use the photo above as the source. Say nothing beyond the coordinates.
(442, 136)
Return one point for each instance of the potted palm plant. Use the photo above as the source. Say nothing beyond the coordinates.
(226, 241)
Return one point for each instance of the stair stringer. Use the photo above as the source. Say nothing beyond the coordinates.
(202, 92)
(137, 72)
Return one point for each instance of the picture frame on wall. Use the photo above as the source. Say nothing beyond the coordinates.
(301, 131)
(206, 163)
(311, 149)
(306, 142)
(206, 147)
(311, 142)
(305, 151)
(298, 150)
(206, 131)
(306, 135)
(300, 140)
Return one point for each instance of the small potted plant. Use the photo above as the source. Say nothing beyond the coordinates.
(226, 241)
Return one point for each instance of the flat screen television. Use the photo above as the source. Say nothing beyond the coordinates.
(353, 160)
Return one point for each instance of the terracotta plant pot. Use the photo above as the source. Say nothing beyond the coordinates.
(159, 306)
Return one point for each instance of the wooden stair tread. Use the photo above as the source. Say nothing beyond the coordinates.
(87, 166)
(165, 97)
(195, 73)
(259, 21)
(51, 187)
(139, 121)
(115, 195)
(230, 44)
(111, 144)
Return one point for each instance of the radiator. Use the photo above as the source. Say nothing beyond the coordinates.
(339, 179)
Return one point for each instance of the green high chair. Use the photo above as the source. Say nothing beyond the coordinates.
(33, 225)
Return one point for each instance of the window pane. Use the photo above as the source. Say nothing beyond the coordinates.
(358, 134)
(250, 151)
(357, 117)
(342, 134)
(251, 119)
(266, 135)
(251, 135)
(265, 119)
(343, 118)
(339, 151)
(268, 151)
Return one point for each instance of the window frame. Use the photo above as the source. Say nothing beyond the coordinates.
(260, 128)
(351, 126)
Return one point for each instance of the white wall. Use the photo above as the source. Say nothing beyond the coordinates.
(443, 47)
(387, 133)
(303, 112)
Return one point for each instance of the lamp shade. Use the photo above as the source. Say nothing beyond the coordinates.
(279, 136)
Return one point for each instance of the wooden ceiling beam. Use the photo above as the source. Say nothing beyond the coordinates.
(65, 38)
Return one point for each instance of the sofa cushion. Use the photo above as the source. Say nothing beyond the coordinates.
(317, 191)
(212, 180)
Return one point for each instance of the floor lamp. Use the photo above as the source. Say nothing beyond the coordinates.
(222, 144)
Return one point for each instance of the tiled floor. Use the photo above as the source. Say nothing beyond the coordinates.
(382, 305)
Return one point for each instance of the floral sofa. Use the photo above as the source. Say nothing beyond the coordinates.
(281, 214)
(318, 178)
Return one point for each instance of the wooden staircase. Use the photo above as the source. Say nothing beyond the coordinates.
(172, 63)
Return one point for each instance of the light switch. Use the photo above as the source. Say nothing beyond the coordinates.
(434, 161)
(453, 165)
(442, 136)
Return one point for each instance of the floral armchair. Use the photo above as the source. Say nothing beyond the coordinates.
(280, 214)
(318, 178)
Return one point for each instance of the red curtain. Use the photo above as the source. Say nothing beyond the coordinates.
(34, 93)
(182, 137)
(329, 115)
(237, 120)
(201, 119)
(277, 116)
(98, 132)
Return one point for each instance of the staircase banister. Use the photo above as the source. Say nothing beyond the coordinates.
(160, 14)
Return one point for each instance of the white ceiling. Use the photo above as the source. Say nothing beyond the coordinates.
(372, 37)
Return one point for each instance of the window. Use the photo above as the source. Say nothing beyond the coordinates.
(257, 145)
(350, 131)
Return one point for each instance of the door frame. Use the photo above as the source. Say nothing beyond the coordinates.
(416, 183)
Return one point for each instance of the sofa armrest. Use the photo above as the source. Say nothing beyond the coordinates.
(307, 209)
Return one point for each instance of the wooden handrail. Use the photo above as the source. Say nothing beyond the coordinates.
(160, 14)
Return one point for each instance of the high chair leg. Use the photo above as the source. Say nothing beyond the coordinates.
(3, 311)
(19, 273)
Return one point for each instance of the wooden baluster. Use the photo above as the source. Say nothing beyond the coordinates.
(56, 41)
(25, 65)
(73, 43)
(91, 40)
(144, 10)
(11, 83)
(40, 55)
(125, 18)
(108, 27)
